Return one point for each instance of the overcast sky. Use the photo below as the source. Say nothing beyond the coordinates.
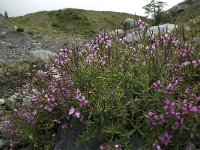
(22, 7)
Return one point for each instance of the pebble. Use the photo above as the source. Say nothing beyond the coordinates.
(2, 101)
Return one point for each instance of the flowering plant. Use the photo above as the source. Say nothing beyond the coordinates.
(117, 90)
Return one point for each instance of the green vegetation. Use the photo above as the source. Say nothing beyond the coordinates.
(70, 22)
(150, 89)
(13, 76)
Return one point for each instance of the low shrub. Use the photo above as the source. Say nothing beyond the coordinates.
(118, 90)
(20, 30)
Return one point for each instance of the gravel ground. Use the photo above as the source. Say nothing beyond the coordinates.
(15, 46)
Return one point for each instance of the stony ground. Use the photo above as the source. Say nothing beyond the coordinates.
(16, 46)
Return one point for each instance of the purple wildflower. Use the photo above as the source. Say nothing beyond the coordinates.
(82, 53)
(13, 144)
(73, 112)
(78, 94)
(166, 138)
(157, 85)
(179, 121)
(156, 146)
(170, 107)
(102, 62)
(82, 101)
(188, 107)
(89, 61)
(196, 63)
(169, 88)
(154, 119)
(8, 127)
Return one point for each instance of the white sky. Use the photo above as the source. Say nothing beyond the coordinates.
(22, 7)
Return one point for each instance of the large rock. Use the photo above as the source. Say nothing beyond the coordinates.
(164, 28)
(131, 36)
(129, 23)
(42, 54)
(66, 138)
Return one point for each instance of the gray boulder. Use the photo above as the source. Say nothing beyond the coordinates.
(66, 138)
(164, 28)
(135, 35)
(131, 36)
(42, 54)
(129, 23)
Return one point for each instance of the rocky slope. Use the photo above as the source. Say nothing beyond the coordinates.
(186, 10)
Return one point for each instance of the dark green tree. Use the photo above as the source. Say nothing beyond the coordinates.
(154, 9)
(6, 14)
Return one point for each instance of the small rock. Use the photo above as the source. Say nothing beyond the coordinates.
(14, 101)
(28, 74)
(2, 101)
(11, 102)
(187, 28)
(119, 32)
(2, 61)
(2, 34)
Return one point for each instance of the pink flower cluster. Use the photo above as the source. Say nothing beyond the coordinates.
(8, 126)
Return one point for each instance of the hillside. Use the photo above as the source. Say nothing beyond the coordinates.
(187, 10)
(70, 22)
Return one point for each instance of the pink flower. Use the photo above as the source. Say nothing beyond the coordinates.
(89, 61)
(102, 62)
(154, 119)
(82, 101)
(73, 112)
(169, 88)
(188, 107)
(156, 146)
(170, 107)
(166, 138)
(78, 94)
(157, 85)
